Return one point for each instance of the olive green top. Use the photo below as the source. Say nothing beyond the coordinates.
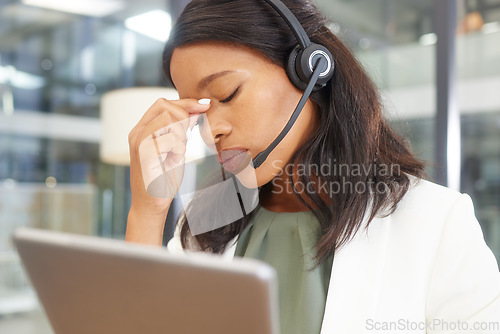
(286, 240)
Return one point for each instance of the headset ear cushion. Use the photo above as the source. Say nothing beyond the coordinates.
(298, 61)
(291, 68)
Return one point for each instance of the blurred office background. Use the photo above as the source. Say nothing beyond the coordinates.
(57, 59)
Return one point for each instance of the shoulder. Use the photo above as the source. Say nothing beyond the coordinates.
(429, 195)
(433, 213)
(436, 230)
(430, 205)
(430, 213)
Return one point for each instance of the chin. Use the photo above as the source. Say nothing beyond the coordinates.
(253, 178)
(248, 177)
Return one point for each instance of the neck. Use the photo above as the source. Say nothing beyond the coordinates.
(279, 195)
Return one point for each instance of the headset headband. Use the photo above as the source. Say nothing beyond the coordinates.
(292, 22)
(309, 67)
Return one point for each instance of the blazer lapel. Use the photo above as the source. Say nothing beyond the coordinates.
(356, 279)
(230, 250)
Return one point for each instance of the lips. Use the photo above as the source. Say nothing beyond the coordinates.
(234, 160)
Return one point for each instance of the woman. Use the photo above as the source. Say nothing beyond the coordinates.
(360, 242)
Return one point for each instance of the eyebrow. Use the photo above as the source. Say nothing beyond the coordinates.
(207, 80)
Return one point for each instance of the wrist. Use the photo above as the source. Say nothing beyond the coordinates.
(152, 210)
(145, 227)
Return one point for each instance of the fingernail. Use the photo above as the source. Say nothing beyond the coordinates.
(204, 101)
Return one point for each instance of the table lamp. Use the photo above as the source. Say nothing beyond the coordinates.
(121, 110)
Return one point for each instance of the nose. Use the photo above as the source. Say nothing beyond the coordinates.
(218, 126)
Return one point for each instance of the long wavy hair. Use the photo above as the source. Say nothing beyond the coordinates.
(351, 130)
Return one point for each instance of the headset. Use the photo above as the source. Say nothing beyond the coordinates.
(309, 67)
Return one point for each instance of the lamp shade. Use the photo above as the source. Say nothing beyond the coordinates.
(121, 110)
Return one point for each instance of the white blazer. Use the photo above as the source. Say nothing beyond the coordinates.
(423, 269)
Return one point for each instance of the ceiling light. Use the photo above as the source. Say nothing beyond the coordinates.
(155, 24)
(428, 39)
(489, 28)
(97, 8)
(20, 79)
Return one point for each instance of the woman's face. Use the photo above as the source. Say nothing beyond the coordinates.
(252, 99)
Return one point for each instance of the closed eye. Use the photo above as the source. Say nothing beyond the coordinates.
(231, 96)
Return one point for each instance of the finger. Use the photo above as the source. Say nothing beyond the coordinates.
(179, 130)
(160, 107)
(167, 142)
(149, 160)
(155, 151)
(170, 149)
(177, 139)
(163, 124)
(193, 106)
(170, 118)
(194, 113)
(180, 109)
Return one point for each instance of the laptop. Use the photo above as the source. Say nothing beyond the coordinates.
(95, 285)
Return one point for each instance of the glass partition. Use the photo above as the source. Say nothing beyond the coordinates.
(478, 70)
(395, 42)
(54, 68)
